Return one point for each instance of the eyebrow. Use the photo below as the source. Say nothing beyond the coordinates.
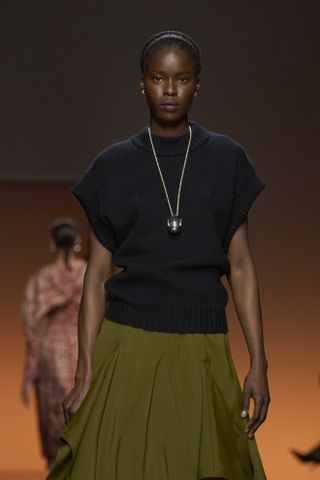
(164, 73)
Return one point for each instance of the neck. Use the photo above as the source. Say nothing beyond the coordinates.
(172, 129)
(172, 145)
(60, 256)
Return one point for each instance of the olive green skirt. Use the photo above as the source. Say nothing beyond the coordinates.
(161, 406)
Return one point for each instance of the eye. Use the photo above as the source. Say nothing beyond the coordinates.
(184, 79)
(157, 78)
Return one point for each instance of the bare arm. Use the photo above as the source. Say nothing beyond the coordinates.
(93, 303)
(245, 290)
(91, 314)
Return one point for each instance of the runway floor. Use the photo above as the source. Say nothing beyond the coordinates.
(22, 476)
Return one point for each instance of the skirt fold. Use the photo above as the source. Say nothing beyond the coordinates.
(161, 406)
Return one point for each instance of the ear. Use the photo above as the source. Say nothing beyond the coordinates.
(198, 85)
(141, 83)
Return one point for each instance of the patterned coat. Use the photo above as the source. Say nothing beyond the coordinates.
(49, 314)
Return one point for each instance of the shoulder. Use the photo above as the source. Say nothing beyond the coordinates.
(46, 271)
(81, 264)
(227, 151)
(110, 157)
(40, 274)
(224, 144)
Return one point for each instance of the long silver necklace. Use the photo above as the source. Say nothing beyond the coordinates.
(174, 223)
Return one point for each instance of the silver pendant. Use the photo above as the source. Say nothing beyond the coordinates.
(174, 224)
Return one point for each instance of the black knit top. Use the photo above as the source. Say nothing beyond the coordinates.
(169, 282)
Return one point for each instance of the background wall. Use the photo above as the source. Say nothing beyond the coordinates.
(70, 82)
(71, 87)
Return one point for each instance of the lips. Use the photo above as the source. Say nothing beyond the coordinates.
(169, 106)
(169, 103)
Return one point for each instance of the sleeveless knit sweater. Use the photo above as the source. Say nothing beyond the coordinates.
(169, 282)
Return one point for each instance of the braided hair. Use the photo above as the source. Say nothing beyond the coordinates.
(170, 38)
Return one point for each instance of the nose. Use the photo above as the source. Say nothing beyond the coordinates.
(170, 87)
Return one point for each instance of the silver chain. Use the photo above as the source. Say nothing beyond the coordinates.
(183, 169)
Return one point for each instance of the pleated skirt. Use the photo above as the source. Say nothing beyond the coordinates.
(161, 406)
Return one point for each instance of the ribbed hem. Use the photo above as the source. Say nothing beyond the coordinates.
(184, 319)
(172, 146)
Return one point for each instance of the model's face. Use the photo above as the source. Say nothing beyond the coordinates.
(170, 81)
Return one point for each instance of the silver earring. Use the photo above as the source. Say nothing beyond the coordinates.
(195, 94)
(77, 247)
(143, 91)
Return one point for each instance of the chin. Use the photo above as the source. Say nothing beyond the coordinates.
(171, 117)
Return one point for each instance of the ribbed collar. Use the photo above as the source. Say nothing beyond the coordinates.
(172, 146)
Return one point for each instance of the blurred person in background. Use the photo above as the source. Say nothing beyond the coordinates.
(49, 314)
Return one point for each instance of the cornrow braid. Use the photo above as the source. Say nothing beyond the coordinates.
(170, 38)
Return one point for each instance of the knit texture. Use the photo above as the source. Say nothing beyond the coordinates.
(169, 282)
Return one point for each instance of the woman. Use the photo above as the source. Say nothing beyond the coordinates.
(49, 317)
(156, 394)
